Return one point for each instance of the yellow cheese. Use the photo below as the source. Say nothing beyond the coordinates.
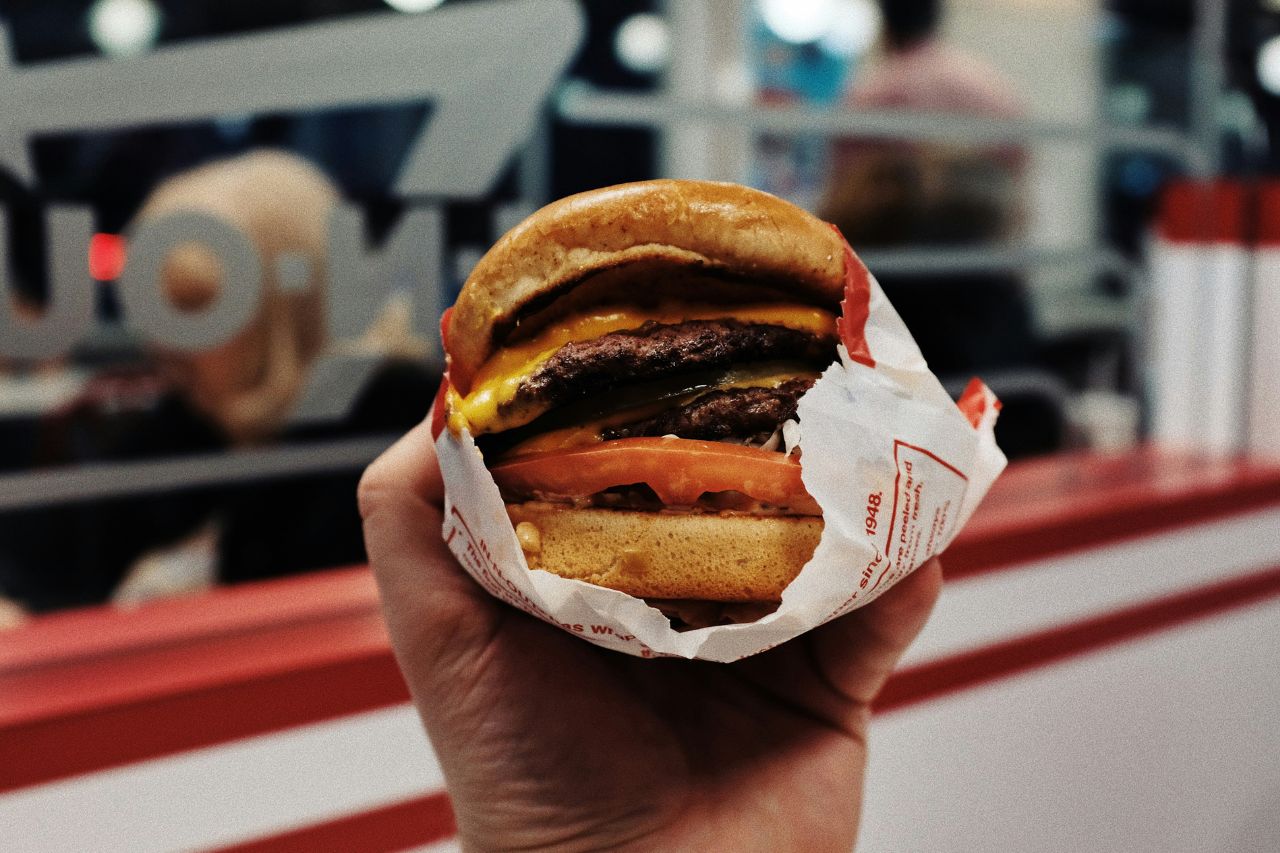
(498, 380)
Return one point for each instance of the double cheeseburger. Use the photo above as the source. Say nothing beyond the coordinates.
(625, 360)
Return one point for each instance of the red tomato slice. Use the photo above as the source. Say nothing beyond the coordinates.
(679, 471)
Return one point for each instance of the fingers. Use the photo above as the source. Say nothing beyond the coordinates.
(433, 608)
(859, 651)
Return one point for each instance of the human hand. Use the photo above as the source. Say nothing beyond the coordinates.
(548, 742)
(12, 614)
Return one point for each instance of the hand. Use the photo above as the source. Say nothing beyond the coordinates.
(548, 742)
(12, 614)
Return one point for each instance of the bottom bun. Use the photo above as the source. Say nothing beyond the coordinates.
(671, 555)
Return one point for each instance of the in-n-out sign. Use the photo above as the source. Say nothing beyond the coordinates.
(358, 284)
(486, 68)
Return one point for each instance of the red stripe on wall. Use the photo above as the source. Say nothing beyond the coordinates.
(429, 819)
(397, 827)
(967, 670)
(88, 691)
(228, 611)
(999, 539)
(51, 749)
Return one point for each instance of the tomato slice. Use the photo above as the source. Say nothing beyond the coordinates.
(679, 470)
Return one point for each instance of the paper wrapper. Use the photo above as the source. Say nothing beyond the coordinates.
(895, 465)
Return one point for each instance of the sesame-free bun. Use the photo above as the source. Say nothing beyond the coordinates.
(668, 555)
(722, 229)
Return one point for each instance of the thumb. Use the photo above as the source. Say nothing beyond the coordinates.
(860, 650)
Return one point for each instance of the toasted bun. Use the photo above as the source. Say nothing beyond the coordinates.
(668, 555)
(719, 228)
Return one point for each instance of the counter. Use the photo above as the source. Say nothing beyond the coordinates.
(272, 717)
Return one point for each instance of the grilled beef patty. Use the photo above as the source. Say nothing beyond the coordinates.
(735, 413)
(585, 368)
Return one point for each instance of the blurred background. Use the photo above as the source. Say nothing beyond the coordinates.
(1000, 165)
(228, 229)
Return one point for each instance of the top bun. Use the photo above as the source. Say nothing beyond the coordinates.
(716, 227)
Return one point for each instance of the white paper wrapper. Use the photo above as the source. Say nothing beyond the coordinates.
(877, 431)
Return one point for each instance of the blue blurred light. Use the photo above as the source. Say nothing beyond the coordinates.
(1140, 177)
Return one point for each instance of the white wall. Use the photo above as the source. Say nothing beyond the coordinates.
(1048, 50)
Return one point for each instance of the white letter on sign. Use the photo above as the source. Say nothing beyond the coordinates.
(69, 313)
(147, 307)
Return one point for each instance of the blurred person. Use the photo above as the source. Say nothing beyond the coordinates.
(550, 743)
(892, 192)
(248, 385)
(887, 193)
(895, 193)
(236, 395)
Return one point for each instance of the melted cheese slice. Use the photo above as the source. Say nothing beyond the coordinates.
(487, 408)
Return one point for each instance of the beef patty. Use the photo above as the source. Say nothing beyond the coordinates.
(653, 351)
(735, 413)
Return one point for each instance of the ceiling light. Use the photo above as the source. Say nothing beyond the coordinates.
(854, 28)
(643, 43)
(798, 21)
(123, 28)
(1269, 65)
(413, 6)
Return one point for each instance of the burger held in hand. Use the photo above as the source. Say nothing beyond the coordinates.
(628, 361)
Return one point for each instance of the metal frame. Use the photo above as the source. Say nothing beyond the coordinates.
(583, 104)
(1198, 150)
(126, 479)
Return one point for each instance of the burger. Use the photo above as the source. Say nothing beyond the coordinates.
(627, 361)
